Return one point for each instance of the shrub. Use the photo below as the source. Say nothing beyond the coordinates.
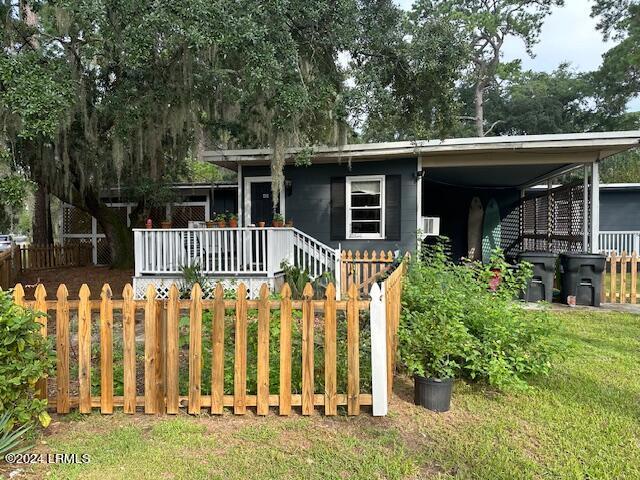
(452, 323)
(25, 357)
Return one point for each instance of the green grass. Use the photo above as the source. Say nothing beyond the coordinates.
(582, 422)
(607, 284)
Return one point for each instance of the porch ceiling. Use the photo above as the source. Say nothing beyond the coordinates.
(492, 176)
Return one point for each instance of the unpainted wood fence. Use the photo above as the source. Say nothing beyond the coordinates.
(161, 391)
(621, 279)
(362, 269)
(41, 257)
(10, 267)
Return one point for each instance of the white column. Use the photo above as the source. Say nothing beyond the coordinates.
(240, 213)
(595, 207)
(585, 210)
(418, 201)
(378, 320)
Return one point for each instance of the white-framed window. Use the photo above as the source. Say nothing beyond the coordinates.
(365, 206)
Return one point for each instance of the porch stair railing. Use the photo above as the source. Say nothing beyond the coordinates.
(231, 251)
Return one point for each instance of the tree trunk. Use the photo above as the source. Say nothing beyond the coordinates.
(479, 108)
(42, 226)
(118, 235)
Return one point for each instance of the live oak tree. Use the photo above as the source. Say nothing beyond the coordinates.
(104, 93)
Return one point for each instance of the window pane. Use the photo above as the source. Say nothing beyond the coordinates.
(369, 187)
(365, 227)
(368, 214)
(365, 200)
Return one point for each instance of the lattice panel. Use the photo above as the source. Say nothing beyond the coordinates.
(554, 220)
(181, 215)
(76, 221)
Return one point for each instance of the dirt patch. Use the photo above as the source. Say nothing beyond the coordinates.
(73, 278)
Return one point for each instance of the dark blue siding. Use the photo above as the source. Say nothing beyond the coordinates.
(309, 203)
(619, 209)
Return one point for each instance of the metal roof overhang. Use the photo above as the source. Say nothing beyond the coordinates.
(503, 159)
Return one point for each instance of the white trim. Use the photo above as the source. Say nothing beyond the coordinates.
(419, 199)
(595, 208)
(378, 329)
(247, 196)
(239, 201)
(364, 236)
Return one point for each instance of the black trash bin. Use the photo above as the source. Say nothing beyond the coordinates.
(582, 277)
(544, 268)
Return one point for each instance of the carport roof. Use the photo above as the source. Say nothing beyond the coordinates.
(557, 149)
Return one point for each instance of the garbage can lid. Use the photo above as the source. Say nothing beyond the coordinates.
(534, 253)
(585, 255)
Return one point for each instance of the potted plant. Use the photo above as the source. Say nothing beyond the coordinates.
(261, 224)
(233, 220)
(278, 220)
(433, 337)
(289, 223)
(221, 220)
(210, 223)
(165, 224)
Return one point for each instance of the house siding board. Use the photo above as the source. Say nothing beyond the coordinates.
(619, 210)
(309, 205)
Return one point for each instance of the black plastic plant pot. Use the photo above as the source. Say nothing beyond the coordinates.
(433, 393)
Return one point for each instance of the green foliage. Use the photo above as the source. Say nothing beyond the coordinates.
(192, 274)
(621, 168)
(11, 440)
(452, 324)
(25, 357)
(298, 279)
(278, 217)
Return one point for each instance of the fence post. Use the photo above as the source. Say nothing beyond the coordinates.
(338, 271)
(377, 317)
(138, 252)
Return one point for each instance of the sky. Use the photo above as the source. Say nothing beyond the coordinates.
(568, 35)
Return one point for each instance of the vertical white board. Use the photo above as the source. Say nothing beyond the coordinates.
(378, 321)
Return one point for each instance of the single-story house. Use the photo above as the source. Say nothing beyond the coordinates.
(387, 196)
(620, 217)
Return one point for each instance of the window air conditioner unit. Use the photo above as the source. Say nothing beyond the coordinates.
(430, 226)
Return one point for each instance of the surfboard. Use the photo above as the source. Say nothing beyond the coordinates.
(474, 229)
(491, 230)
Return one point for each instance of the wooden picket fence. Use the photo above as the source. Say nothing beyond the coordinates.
(161, 392)
(363, 269)
(40, 257)
(621, 281)
(9, 267)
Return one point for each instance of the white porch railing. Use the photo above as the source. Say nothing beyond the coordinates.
(231, 251)
(627, 241)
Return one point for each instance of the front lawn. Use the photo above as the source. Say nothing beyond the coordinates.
(581, 422)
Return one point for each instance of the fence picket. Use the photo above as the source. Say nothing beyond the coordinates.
(614, 284)
(634, 277)
(62, 350)
(150, 357)
(84, 349)
(240, 361)
(330, 352)
(353, 352)
(41, 307)
(307, 350)
(285, 350)
(195, 349)
(264, 315)
(623, 277)
(217, 356)
(106, 350)
(173, 348)
(378, 351)
(129, 348)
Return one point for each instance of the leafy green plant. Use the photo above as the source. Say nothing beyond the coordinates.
(192, 274)
(513, 278)
(298, 279)
(278, 217)
(220, 217)
(452, 323)
(231, 216)
(25, 357)
(11, 440)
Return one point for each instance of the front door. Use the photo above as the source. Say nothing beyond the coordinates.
(261, 203)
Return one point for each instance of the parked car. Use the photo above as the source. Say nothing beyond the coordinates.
(6, 242)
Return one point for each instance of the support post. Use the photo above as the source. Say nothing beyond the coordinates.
(418, 202)
(585, 209)
(338, 271)
(595, 207)
(377, 317)
(138, 252)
